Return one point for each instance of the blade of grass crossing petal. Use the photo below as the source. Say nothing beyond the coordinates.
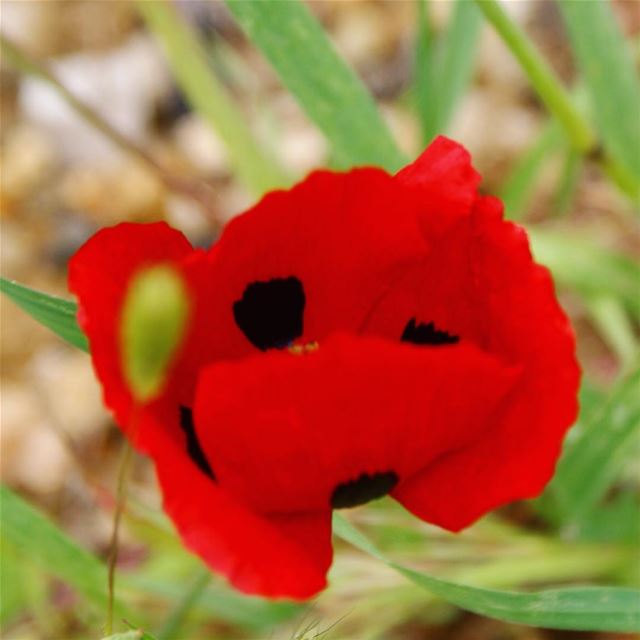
(55, 313)
(457, 59)
(325, 87)
(592, 462)
(34, 535)
(209, 98)
(585, 609)
(518, 187)
(606, 62)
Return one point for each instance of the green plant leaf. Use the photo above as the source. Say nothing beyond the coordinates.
(134, 634)
(326, 88)
(57, 314)
(593, 459)
(448, 66)
(34, 535)
(579, 608)
(209, 97)
(590, 269)
(516, 190)
(605, 59)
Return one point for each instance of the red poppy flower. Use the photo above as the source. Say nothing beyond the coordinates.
(358, 335)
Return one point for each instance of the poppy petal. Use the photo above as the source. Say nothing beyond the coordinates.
(305, 262)
(99, 274)
(445, 179)
(479, 283)
(290, 433)
(281, 556)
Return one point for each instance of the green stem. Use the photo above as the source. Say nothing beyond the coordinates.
(170, 629)
(113, 546)
(556, 97)
(544, 81)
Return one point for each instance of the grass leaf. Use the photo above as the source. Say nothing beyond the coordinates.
(592, 461)
(57, 314)
(579, 608)
(34, 535)
(209, 97)
(586, 267)
(605, 60)
(326, 88)
(517, 189)
(451, 61)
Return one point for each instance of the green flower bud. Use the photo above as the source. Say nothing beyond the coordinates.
(153, 322)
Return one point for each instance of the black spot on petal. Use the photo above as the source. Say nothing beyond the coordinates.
(193, 445)
(270, 313)
(426, 334)
(363, 489)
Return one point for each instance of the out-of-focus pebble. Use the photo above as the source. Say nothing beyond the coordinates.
(69, 391)
(32, 453)
(125, 191)
(26, 157)
(200, 145)
(184, 214)
(121, 85)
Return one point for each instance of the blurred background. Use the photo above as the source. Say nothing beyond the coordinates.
(62, 179)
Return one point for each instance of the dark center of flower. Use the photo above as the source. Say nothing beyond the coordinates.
(422, 333)
(270, 312)
(363, 489)
(193, 444)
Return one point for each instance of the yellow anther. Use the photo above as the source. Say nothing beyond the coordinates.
(301, 349)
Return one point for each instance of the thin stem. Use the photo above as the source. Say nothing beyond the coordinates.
(113, 545)
(195, 190)
(549, 88)
(556, 97)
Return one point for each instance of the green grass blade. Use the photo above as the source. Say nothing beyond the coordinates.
(209, 97)
(540, 74)
(592, 462)
(444, 65)
(425, 73)
(34, 535)
(567, 183)
(580, 608)
(457, 58)
(55, 313)
(586, 267)
(326, 88)
(518, 187)
(606, 62)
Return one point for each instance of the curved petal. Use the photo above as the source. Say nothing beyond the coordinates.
(283, 431)
(480, 284)
(305, 262)
(99, 274)
(284, 556)
(445, 181)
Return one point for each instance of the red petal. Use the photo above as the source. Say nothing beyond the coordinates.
(99, 275)
(346, 237)
(445, 180)
(280, 556)
(281, 431)
(481, 284)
